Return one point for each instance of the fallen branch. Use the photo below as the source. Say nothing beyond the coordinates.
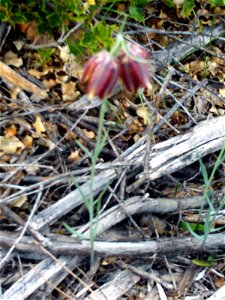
(165, 158)
(121, 283)
(161, 246)
(178, 51)
(17, 80)
(54, 270)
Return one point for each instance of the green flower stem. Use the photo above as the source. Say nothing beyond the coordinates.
(118, 44)
(119, 39)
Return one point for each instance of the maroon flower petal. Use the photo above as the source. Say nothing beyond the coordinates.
(138, 51)
(134, 73)
(92, 64)
(141, 74)
(126, 74)
(103, 78)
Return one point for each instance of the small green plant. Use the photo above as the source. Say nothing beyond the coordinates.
(214, 3)
(47, 14)
(93, 38)
(208, 198)
(45, 54)
(129, 61)
(186, 7)
(136, 9)
(93, 205)
(53, 17)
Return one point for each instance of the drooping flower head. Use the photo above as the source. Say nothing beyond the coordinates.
(134, 67)
(130, 62)
(100, 74)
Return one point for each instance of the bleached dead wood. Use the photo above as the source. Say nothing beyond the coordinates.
(17, 80)
(205, 138)
(50, 269)
(165, 158)
(178, 51)
(161, 246)
(118, 286)
(109, 218)
(219, 294)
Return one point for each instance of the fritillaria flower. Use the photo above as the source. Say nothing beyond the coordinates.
(134, 67)
(101, 74)
(130, 62)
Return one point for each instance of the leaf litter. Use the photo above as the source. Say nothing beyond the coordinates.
(42, 144)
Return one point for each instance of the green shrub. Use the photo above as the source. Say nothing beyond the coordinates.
(54, 15)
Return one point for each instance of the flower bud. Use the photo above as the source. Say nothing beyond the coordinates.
(100, 75)
(134, 69)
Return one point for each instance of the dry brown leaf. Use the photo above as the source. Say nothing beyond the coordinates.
(74, 156)
(28, 141)
(29, 29)
(163, 40)
(65, 53)
(136, 137)
(221, 111)
(14, 92)
(49, 83)
(2, 216)
(10, 131)
(178, 3)
(143, 113)
(71, 66)
(212, 67)
(42, 141)
(163, 15)
(5, 157)
(68, 91)
(11, 58)
(200, 106)
(222, 92)
(22, 123)
(17, 80)
(107, 261)
(36, 73)
(19, 44)
(19, 201)
(70, 135)
(187, 280)
(10, 145)
(197, 66)
(219, 282)
(38, 125)
(89, 134)
(214, 110)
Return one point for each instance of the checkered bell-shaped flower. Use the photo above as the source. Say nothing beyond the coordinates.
(134, 67)
(100, 74)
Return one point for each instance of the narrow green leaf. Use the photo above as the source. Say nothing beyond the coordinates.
(200, 237)
(202, 263)
(74, 231)
(86, 151)
(195, 226)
